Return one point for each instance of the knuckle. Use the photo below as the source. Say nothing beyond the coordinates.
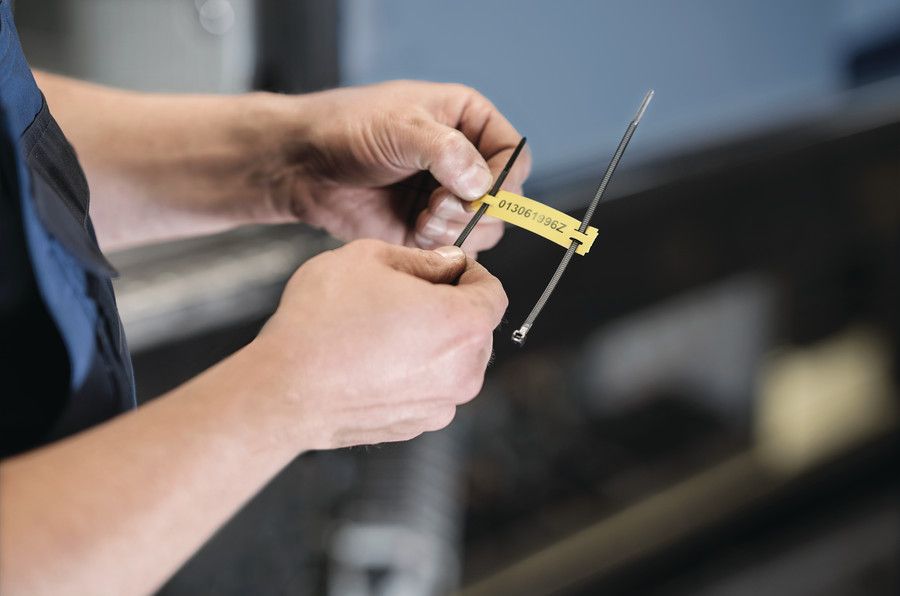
(437, 197)
(479, 327)
(478, 102)
(453, 141)
(474, 388)
(493, 300)
(476, 99)
(496, 295)
(476, 336)
(407, 435)
(491, 318)
(324, 260)
(422, 225)
(502, 299)
(394, 84)
(417, 120)
(473, 378)
(321, 258)
(442, 418)
(462, 89)
(358, 244)
(364, 246)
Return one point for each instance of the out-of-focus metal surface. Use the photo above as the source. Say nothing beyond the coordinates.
(815, 405)
(171, 292)
(859, 554)
(686, 345)
(399, 535)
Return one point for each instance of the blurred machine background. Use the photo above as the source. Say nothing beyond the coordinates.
(709, 403)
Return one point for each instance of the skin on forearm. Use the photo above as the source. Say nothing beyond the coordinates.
(167, 166)
(117, 509)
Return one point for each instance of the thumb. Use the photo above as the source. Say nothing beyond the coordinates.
(450, 157)
(440, 266)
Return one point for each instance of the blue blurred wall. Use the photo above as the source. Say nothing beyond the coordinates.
(570, 73)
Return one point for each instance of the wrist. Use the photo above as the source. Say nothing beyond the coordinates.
(282, 155)
(281, 391)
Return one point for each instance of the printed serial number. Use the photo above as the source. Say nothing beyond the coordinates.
(528, 213)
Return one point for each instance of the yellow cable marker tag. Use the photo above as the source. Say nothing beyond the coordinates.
(552, 224)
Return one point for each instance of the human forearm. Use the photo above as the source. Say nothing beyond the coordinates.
(346, 160)
(343, 361)
(117, 509)
(166, 166)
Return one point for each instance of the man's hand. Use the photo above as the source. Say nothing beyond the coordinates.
(393, 161)
(364, 163)
(375, 344)
(371, 343)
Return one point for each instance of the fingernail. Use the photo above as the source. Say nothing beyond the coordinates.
(475, 181)
(450, 252)
(435, 227)
(449, 207)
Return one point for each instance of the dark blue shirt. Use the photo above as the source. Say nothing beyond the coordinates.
(64, 363)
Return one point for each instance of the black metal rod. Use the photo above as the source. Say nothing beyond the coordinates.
(493, 192)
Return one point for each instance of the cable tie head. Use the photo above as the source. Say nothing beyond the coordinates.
(520, 334)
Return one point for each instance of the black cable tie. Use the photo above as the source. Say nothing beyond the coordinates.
(493, 192)
(521, 333)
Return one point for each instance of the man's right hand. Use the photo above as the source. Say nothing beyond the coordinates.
(373, 343)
